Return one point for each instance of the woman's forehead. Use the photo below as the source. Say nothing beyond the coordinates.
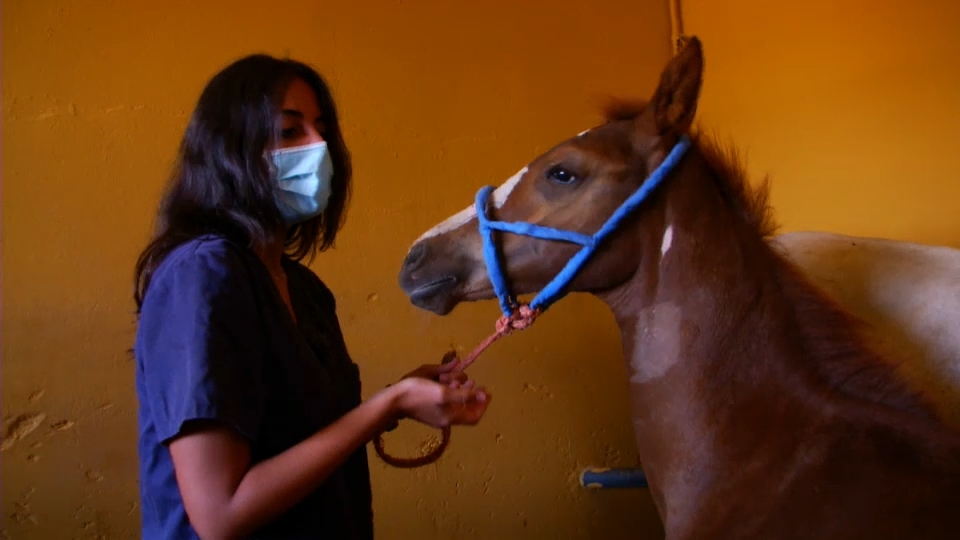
(300, 98)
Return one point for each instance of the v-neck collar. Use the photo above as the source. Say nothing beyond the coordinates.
(293, 319)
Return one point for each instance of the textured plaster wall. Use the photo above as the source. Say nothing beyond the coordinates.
(438, 98)
(850, 105)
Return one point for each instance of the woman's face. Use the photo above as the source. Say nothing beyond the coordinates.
(302, 121)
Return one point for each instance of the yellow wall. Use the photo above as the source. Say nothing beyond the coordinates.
(438, 98)
(850, 105)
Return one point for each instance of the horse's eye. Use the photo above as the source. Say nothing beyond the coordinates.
(559, 174)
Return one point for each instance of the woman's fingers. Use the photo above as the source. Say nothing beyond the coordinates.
(473, 404)
(444, 405)
(460, 379)
(465, 394)
(448, 366)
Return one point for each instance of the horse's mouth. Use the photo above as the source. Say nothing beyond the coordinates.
(434, 295)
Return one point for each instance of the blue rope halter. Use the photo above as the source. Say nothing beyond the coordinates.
(556, 289)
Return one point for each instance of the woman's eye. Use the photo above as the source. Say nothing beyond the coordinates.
(559, 174)
(288, 133)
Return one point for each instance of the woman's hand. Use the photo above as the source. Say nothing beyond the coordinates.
(440, 405)
(441, 373)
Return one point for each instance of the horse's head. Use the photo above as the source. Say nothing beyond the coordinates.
(575, 186)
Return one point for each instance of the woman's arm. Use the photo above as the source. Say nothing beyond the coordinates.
(226, 498)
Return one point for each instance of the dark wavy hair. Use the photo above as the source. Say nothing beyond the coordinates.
(221, 182)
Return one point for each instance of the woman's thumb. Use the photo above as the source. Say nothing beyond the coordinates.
(448, 366)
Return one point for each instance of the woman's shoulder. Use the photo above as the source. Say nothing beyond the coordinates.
(207, 258)
(207, 249)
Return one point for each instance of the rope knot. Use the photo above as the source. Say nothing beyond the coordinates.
(521, 319)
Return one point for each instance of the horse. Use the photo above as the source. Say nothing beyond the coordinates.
(760, 410)
(906, 297)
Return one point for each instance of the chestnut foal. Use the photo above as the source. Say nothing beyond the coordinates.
(758, 410)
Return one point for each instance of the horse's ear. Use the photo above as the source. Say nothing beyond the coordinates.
(674, 103)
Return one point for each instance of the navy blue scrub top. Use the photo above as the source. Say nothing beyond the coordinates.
(215, 341)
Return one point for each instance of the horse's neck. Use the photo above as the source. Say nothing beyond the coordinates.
(721, 342)
(690, 324)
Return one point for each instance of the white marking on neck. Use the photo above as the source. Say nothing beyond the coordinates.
(464, 216)
(667, 241)
(582, 133)
(658, 345)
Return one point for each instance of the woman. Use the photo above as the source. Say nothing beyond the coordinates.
(251, 421)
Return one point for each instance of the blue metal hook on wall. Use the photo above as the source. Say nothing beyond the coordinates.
(613, 478)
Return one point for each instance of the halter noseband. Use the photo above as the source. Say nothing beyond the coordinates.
(556, 289)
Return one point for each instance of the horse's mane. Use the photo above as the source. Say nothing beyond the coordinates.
(825, 329)
(751, 202)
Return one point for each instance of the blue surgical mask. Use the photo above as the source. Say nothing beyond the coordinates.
(303, 175)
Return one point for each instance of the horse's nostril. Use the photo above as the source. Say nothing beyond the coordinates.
(416, 255)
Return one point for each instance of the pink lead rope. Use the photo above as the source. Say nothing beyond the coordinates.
(521, 319)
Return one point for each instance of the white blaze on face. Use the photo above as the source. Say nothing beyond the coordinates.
(501, 193)
(464, 216)
(582, 133)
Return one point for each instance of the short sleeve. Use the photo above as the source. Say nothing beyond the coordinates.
(200, 344)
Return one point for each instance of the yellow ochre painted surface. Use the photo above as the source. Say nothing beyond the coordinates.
(438, 98)
(850, 105)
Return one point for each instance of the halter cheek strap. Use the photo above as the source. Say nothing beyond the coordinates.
(557, 287)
